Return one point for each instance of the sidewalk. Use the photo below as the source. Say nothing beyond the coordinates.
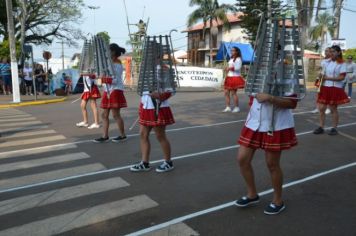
(6, 100)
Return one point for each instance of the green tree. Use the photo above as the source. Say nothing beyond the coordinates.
(105, 36)
(209, 11)
(350, 52)
(324, 25)
(5, 49)
(252, 12)
(40, 22)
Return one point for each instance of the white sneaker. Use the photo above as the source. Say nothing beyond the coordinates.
(236, 109)
(94, 126)
(327, 111)
(227, 109)
(316, 110)
(82, 124)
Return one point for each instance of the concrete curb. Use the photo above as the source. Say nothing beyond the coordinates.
(33, 103)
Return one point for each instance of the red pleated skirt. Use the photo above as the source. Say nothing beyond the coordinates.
(332, 96)
(234, 82)
(148, 116)
(281, 140)
(93, 94)
(117, 100)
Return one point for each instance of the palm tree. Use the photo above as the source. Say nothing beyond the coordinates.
(324, 25)
(209, 11)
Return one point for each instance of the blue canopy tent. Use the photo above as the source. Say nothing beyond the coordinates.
(224, 52)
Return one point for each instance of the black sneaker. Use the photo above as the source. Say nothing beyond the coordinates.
(101, 140)
(273, 209)
(140, 167)
(318, 131)
(165, 167)
(245, 201)
(332, 131)
(119, 139)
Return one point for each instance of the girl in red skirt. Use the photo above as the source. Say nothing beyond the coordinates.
(150, 119)
(332, 93)
(113, 98)
(233, 80)
(91, 92)
(255, 135)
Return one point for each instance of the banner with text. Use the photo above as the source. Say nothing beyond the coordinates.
(199, 77)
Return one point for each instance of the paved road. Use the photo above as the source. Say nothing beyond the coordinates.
(54, 180)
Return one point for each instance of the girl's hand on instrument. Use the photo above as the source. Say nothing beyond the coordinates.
(155, 95)
(263, 97)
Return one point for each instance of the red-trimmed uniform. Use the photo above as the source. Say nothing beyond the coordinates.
(255, 132)
(91, 90)
(234, 80)
(115, 87)
(147, 111)
(332, 92)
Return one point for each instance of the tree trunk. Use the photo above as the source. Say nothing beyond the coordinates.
(12, 42)
(337, 13)
(23, 17)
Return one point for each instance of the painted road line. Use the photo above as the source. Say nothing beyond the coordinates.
(17, 119)
(84, 217)
(27, 134)
(51, 175)
(347, 136)
(10, 124)
(128, 166)
(135, 135)
(12, 111)
(32, 141)
(15, 130)
(43, 161)
(2, 116)
(59, 195)
(229, 204)
(33, 151)
(179, 229)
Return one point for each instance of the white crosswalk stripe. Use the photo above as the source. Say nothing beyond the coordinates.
(58, 195)
(91, 215)
(42, 161)
(27, 134)
(10, 124)
(7, 120)
(50, 175)
(31, 141)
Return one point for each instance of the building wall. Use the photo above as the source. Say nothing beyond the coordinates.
(199, 57)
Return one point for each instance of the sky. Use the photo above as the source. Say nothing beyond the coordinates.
(164, 15)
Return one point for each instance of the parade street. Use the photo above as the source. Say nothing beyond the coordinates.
(55, 181)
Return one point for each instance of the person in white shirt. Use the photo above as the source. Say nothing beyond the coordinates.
(350, 74)
(27, 73)
(91, 93)
(233, 80)
(332, 91)
(256, 134)
(149, 120)
(113, 98)
(323, 64)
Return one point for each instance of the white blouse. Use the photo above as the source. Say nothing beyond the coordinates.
(117, 82)
(334, 69)
(237, 67)
(260, 115)
(88, 83)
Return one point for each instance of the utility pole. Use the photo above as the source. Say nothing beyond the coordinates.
(12, 41)
(62, 55)
(62, 43)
